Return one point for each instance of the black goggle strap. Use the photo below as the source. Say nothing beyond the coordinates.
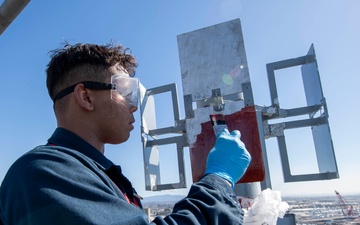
(87, 84)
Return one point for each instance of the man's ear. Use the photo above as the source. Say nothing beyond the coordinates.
(83, 98)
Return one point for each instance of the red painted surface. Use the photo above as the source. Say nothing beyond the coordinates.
(244, 121)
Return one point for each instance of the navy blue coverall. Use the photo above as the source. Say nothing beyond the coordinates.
(68, 181)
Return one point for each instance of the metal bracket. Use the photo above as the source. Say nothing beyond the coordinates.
(189, 111)
(319, 125)
(217, 100)
(151, 140)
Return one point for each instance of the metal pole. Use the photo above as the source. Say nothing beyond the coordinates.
(9, 10)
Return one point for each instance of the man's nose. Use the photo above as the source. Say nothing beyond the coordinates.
(133, 109)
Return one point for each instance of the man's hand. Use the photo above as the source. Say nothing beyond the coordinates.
(229, 158)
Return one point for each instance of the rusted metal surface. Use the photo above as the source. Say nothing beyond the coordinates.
(245, 121)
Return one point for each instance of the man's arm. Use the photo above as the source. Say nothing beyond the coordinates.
(61, 186)
(212, 200)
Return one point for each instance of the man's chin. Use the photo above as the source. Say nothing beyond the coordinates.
(120, 140)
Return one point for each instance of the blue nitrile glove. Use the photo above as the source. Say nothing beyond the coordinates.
(229, 158)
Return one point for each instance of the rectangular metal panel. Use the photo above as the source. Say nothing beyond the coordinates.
(321, 133)
(147, 110)
(324, 148)
(311, 80)
(151, 167)
(150, 153)
(213, 57)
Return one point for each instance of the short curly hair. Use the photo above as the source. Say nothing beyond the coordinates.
(75, 63)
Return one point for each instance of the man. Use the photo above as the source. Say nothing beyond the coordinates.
(70, 181)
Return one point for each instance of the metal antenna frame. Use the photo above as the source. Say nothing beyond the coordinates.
(316, 110)
(151, 141)
(319, 125)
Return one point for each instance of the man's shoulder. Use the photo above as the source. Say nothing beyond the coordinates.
(48, 153)
(48, 158)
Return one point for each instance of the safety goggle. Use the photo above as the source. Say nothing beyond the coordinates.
(127, 87)
(121, 86)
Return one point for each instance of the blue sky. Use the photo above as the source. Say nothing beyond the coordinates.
(272, 30)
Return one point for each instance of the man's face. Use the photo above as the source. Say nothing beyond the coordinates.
(114, 113)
